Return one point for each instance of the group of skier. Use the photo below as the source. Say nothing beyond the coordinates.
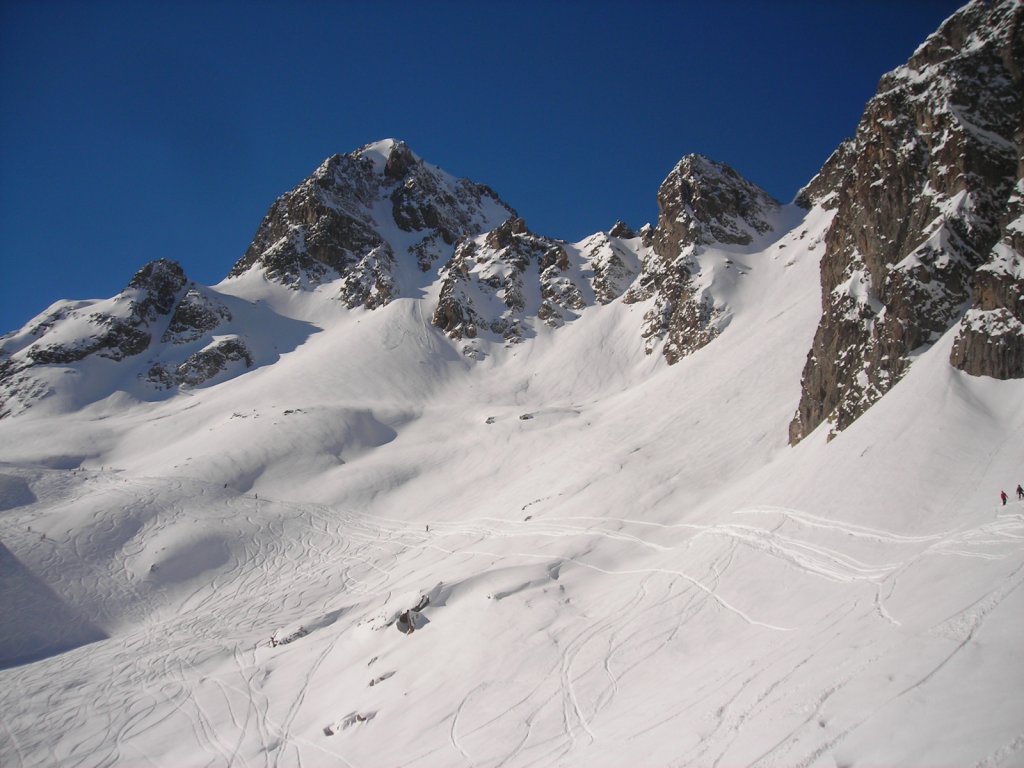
(1020, 494)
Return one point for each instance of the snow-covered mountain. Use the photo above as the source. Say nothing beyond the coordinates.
(416, 485)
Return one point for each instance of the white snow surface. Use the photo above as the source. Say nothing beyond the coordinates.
(626, 563)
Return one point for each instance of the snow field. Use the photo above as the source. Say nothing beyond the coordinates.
(641, 567)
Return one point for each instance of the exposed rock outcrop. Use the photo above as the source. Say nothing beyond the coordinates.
(701, 203)
(69, 332)
(611, 261)
(926, 236)
(194, 316)
(990, 339)
(922, 195)
(121, 329)
(349, 223)
(354, 216)
(486, 284)
(202, 366)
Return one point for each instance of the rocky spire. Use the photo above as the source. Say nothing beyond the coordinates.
(700, 203)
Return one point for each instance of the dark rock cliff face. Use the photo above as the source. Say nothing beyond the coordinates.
(990, 338)
(922, 195)
(341, 222)
(700, 203)
(195, 316)
(319, 228)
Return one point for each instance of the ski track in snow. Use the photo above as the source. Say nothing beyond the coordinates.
(154, 675)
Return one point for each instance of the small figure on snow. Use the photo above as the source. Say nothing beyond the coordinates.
(1002, 495)
(1020, 492)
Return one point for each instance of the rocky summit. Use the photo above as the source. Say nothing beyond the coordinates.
(357, 213)
(702, 203)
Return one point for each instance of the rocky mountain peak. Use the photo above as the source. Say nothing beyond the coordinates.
(977, 24)
(489, 286)
(114, 329)
(155, 288)
(378, 153)
(926, 236)
(703, 202)
(348, 223)
(621, 230)
(504, 235)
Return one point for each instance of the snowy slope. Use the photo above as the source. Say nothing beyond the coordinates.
(626, 563)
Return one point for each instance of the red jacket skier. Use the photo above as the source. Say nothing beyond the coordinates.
(1002, 495)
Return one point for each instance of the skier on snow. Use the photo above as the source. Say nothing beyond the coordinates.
(1020, 492)
(1002, 495)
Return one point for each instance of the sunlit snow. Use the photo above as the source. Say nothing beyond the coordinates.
(625, 562)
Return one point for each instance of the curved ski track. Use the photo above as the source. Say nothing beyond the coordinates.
(675, 578)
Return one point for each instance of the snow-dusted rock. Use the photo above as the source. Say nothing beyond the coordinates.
(921, 196)
(68, 332)
(612, 258)
(203, 365)
(628, 558)
(361, 212)
(495, 282)
(701, 203)
(195, 315)
(990, 338)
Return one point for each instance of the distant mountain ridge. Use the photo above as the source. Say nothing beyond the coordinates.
(927, 234)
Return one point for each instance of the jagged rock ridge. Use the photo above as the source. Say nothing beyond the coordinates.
(923, 193)
(160, 313)
(360, 212)
(72, 331)
(484, 285)
(990, 339)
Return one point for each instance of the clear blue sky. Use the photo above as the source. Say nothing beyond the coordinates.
(134, 131)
